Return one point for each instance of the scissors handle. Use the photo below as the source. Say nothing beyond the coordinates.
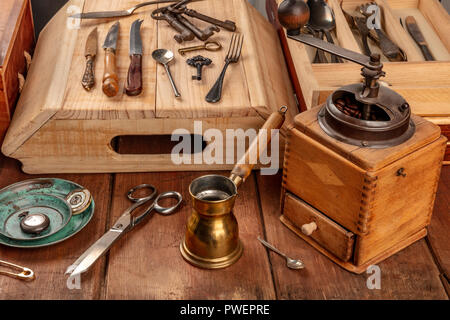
(165, 211)
(141, 187)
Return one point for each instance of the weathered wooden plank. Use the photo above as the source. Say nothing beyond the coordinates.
(50, 263)
(438, 231)
(147, 263)
(410, 274)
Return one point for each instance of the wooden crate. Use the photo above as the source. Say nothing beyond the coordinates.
(425, 85)
(16, 38)
(364, 208)
(59, 127)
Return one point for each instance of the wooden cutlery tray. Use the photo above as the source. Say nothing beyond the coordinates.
(59, 127)
(425, 85)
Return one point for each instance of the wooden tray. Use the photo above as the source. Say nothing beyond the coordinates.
(16, 38)
(425, 85)
(59, 127)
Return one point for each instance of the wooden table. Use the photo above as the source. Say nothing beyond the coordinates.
(147, 264)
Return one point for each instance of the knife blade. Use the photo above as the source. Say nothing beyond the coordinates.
(110, 78)
(134, 79)
(90, 52)
(416, 34)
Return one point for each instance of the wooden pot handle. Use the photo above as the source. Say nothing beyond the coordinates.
(243, 168)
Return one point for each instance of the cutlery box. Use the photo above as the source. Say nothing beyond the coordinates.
(358, 206)
(59, 127)
(425, 85)
(16, 45)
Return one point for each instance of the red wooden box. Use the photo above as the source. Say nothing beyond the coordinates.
(16, 38)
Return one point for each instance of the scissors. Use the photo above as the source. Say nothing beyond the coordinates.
(124, 225)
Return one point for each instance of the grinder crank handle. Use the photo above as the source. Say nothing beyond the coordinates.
(110, 78)
(244, 168)
(134, 79)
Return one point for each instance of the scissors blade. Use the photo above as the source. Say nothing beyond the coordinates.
(97, 250)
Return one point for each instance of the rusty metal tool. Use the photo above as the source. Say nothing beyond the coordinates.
(202, 35)
(227, 24)
(184, 34)
(90, 53)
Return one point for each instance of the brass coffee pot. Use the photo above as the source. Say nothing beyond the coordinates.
(212, 235)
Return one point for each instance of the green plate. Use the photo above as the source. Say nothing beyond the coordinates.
(57, 187)
(55, 208)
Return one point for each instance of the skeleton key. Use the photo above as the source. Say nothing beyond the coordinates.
(184, 33)
(202, 35)
(208, 46)
(227, 25)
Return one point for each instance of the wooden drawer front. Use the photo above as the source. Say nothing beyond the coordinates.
(328, 234)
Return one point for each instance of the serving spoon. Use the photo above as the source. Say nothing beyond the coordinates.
(322, 19)
(291, 263)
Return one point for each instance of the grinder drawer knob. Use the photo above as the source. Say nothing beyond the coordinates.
(309, 228)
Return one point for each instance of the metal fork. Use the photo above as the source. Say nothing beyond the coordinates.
(233, 55)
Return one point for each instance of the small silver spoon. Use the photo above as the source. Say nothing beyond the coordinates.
(291, 263)
(164, 56)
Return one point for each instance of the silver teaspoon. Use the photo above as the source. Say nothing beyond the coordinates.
(291, 263)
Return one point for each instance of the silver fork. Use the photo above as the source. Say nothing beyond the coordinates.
(233, 55)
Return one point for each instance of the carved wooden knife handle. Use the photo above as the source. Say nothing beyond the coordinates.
(88, 81)
(110, 78)
(134, 80)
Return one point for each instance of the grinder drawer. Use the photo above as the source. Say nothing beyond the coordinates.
(314, 225)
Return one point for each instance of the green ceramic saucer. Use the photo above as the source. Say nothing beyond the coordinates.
(13, 213)
(56, 187)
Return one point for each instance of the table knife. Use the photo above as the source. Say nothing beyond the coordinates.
(110, 78)
(90, 52)
(134, 79)
(416, 34)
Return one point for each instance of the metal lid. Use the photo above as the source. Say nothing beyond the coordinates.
(79, 200)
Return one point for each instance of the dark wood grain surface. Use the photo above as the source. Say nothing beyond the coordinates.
(146, 264)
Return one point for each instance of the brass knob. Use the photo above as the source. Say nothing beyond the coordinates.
(309, 228)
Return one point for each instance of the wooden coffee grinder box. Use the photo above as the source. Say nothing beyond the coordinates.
(361, 171)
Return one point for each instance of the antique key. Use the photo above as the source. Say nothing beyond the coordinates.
(184, 33)
(198, 62)
(200, 34)
(227, 25)
(208, 46)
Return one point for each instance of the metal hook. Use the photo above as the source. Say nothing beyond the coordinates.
(25, 274)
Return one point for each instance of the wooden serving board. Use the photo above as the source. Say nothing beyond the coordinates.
(59, 127)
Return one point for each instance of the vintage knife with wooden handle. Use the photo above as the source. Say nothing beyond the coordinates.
(90, 52)
(416, 34)
(110, 78)
(134, 79)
